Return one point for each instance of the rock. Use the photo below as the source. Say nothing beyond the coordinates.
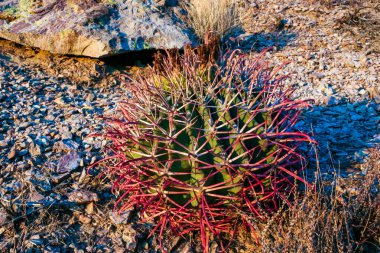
(35, 149)
(66, 145)
(22, 144)
(68, 162)
(3, 144)
(57, 179)
(22, 153)
(330, 100)
(362, 92)
(79, 69)
(60, 101)
(119, 218)
(40, 182)
(84, 219)
(90, 208)
(36, 240)
(90, 97)
(67, 135)
(376, 94)
(83, 197)
(356, 117)
(12, 154)
(3, 216)
(129, 237)
(35, 197)
(92, 28)
(83, 174)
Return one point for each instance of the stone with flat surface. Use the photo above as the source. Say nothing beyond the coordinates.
(90, 28)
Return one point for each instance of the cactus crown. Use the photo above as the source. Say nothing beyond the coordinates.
(200, 144)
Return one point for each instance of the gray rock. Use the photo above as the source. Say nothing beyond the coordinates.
(65, 133)
(91, 28)
(65, 145)
(35, 197)
(119, 218)
(68, 162)
(41, 183)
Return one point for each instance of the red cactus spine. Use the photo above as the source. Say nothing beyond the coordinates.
(200, 146)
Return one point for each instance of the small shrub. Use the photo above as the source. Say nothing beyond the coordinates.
(217, 16)
(200, 145)
(341, 216)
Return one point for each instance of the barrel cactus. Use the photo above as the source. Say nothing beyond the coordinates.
(202, 147)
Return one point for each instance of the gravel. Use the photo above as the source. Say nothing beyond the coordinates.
(44, 154)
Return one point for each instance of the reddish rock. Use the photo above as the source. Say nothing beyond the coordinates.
(68, 162)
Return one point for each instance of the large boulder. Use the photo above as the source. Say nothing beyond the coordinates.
(94, 28)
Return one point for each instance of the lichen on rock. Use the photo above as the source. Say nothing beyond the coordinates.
(90, 28)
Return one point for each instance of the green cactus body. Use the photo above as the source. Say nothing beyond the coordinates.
(190, 134)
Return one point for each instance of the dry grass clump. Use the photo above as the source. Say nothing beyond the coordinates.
(362, 19)
(342, 216)
(362, 15)
(217, 16)
(338, 2)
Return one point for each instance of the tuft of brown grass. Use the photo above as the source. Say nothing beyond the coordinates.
(338, 2)
(216, 16)
(361, 19)
(341, 216)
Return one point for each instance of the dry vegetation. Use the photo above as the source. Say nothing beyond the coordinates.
(364, 15)
(217, 16)
(341, 216)
(338, 2)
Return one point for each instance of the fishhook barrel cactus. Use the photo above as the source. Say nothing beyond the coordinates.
(200, 145)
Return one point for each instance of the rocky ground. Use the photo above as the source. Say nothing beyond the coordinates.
(333, 54)
(48, 203)
(329, 59)
(45, 150)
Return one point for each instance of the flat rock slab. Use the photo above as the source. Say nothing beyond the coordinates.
(68, 163)
(88, 27)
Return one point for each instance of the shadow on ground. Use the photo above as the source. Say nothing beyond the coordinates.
(260, 41)
(344, 132)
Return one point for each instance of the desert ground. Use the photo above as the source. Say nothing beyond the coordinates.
(52, 102)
